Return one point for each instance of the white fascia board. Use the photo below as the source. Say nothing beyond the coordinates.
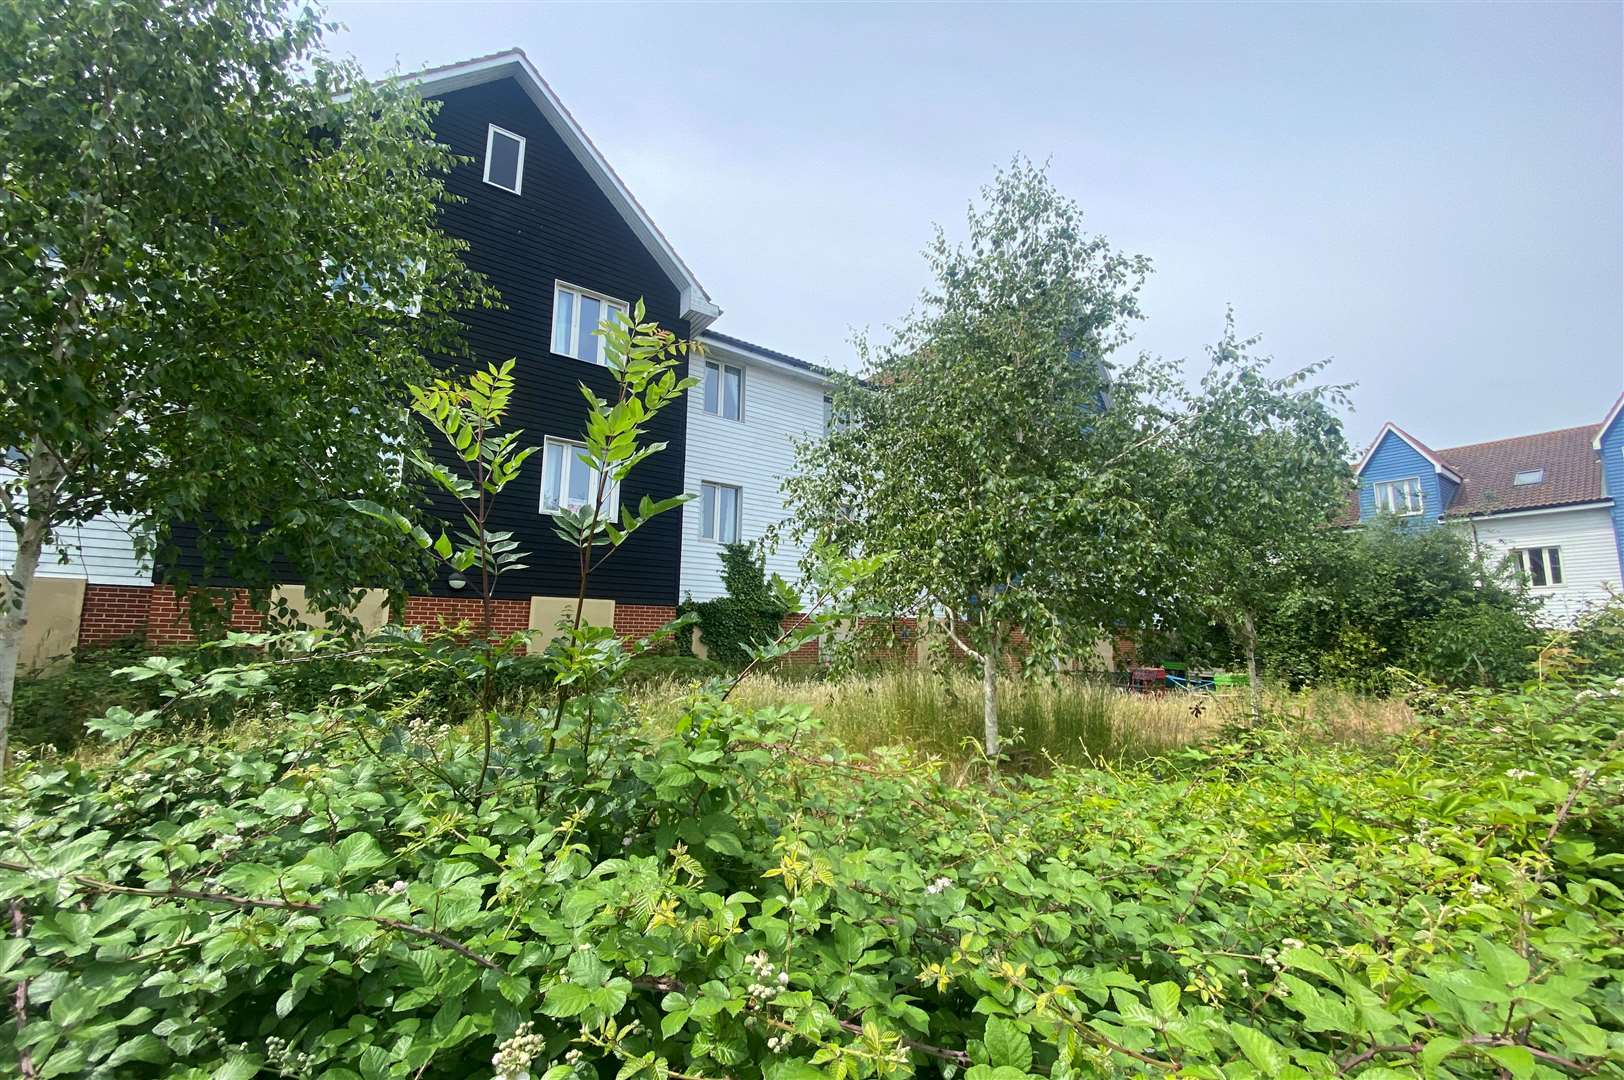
(1594, 504)
(1612, 415)
(727, 350)
(1433, 459)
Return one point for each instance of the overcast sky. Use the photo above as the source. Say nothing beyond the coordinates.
(1430, 195)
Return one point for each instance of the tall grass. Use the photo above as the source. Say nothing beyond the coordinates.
(1064, 721)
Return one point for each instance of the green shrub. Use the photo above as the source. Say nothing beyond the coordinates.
(1473, 644)
(651, 669)
(53, 705)
(743, 899)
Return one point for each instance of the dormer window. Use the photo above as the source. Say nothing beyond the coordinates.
(504, 159)
(1402, 497)
(1528, 477)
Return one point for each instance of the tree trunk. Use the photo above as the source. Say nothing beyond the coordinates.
(14, 592)
(990, 654)
(1249, 625)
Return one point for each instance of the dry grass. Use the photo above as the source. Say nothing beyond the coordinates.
(1070, 721)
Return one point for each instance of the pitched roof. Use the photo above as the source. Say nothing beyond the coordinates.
(1419, 447)
(730, 343)
(1572, 472)
(697, 306)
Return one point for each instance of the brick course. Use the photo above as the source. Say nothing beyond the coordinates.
(641, 620)
(168, 624)
(112, 612)
(441, 612)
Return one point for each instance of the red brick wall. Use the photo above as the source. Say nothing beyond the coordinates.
(167, 623)
(806, 654)
(112, 612)
(507, 616)
(641, 620)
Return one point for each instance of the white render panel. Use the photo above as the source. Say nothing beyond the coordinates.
(1589, 553)
(101, 551)
(754, 454)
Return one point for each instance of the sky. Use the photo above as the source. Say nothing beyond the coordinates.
(1429, 196)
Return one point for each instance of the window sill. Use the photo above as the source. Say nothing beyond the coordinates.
(499, 187)
(577, 359)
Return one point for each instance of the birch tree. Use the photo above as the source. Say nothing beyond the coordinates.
(219, 262)
(978, 446)
(1262, 471)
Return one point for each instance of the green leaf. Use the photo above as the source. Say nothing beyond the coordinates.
(1262, 1051)
(1517, 1059)
(565, 1000)
(1007, 1044)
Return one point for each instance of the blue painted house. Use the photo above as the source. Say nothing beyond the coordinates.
(1551, 505)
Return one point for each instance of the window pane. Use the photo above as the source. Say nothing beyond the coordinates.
(733, 390)
(828, 411)
(713, 391)
(1536, 567)
(580, 478)
(586, 345)
(707, 510)
(729, 515)
(1553, 560)
(563, 316)
(552, 465)
(503, 167)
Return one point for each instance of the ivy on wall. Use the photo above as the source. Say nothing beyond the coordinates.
(750, 614)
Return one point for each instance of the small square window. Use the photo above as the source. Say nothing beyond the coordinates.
(719, 512)
(1528, 477)
(568, 480)
(504, 159)
(724, 390)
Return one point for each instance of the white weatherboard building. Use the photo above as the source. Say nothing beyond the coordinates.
(744, 418)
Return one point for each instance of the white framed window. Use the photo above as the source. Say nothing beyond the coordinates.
(719, 512)
(724, 390)
(577, 314)
(568, 480)
(1402, 497)
(1541, 566)
(1528, 477)
(828, 413)
(504, 159)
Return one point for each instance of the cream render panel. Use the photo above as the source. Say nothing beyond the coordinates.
(753, 453)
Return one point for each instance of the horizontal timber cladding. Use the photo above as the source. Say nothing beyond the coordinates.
(560, 228)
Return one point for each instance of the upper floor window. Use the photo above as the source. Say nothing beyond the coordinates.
(576, 316)
(568, 480)
(1541, 566)
(724, 390)
(1527, 477)
(719, 512)
(504, 159)
(1398, 496)
(828, 412)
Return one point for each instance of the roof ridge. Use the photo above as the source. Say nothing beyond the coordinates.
(1518, 438)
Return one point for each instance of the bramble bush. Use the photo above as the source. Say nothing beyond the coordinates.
(316, 895)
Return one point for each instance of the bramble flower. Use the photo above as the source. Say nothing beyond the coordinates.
(1481, 888)
(513, 1057)
(941, 884)
(769, 980)
(1520, 774)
